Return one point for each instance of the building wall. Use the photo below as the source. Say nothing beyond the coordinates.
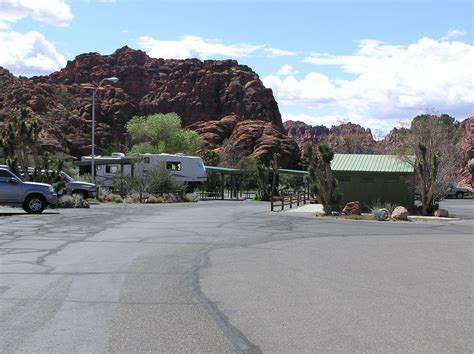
(369, 187)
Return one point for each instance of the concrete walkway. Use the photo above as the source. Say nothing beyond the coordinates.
(308, 208)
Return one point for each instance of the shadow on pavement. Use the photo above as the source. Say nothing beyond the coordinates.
(26, 214)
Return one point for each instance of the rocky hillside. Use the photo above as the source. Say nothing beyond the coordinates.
(354, 139)
(346, 138)
(200, 92)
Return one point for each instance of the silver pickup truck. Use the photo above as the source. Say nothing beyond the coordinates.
(79, 188)
(31, 196)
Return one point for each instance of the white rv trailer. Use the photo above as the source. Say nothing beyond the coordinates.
(184, 168)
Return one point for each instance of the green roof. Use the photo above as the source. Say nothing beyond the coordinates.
(370, 163)
(285, 171)
(226, 170)
(236, 171)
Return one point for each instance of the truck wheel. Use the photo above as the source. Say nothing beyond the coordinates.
(80, 193)
(459, 195)
(34, 204)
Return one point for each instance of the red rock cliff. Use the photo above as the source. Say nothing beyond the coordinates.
(198, 91)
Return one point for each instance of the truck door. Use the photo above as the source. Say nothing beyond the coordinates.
(10, 192)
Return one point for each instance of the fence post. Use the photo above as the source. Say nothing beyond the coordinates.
(304, 197)
(271, 203)
(291, 201)
(298, 199)
(282, 201)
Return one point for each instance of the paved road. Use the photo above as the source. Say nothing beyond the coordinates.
(230, 276)
(462, 208)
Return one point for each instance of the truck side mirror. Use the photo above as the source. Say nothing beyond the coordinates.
(13, 180)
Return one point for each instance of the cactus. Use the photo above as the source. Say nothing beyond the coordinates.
(323, 185)
(20, 146)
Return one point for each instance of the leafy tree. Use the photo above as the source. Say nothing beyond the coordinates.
(323, 184)
(434, 141)
(210, 158)
(160, 133)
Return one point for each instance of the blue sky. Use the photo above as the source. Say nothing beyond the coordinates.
(376, 63)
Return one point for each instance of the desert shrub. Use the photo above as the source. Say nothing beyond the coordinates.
(380, 214)
(191, 197)
(383, 205)
(132, 198)
(103, 194)
(152, 199)
(155, 181)
(116, 198)
(107, 196)
(67, 201)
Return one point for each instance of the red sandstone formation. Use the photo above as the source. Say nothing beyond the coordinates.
(198, 91)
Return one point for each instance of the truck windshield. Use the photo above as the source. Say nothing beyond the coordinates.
(17, 176)
(65, 175)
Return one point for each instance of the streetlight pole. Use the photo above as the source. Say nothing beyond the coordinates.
(94, 93)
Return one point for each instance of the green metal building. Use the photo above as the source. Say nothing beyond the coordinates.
(371, 178)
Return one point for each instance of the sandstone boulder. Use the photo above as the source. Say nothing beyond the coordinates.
(236, 137)
(352, 208)
(441, 213)
(400, 213)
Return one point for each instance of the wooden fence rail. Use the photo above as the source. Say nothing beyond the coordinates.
(279, 203)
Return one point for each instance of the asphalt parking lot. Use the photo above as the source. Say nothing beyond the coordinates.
(231, 276)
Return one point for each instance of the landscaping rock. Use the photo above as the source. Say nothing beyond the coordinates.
(352, 208)
(400, 213)
(441, 213)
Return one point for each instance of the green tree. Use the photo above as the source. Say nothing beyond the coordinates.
(160, 133)
(322, 182)
(210, 158)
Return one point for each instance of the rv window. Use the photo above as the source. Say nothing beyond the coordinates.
(173, 166)
(111, 169)
(146, 160)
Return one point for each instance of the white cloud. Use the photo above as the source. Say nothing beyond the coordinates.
(391, 80)
(29, 54)
(453, 33)
(54, 12)
(194, 47)
(202, 48)
(4, 25)
(275, 52)
(286, 70)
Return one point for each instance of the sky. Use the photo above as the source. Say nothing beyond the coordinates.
(377, 63)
